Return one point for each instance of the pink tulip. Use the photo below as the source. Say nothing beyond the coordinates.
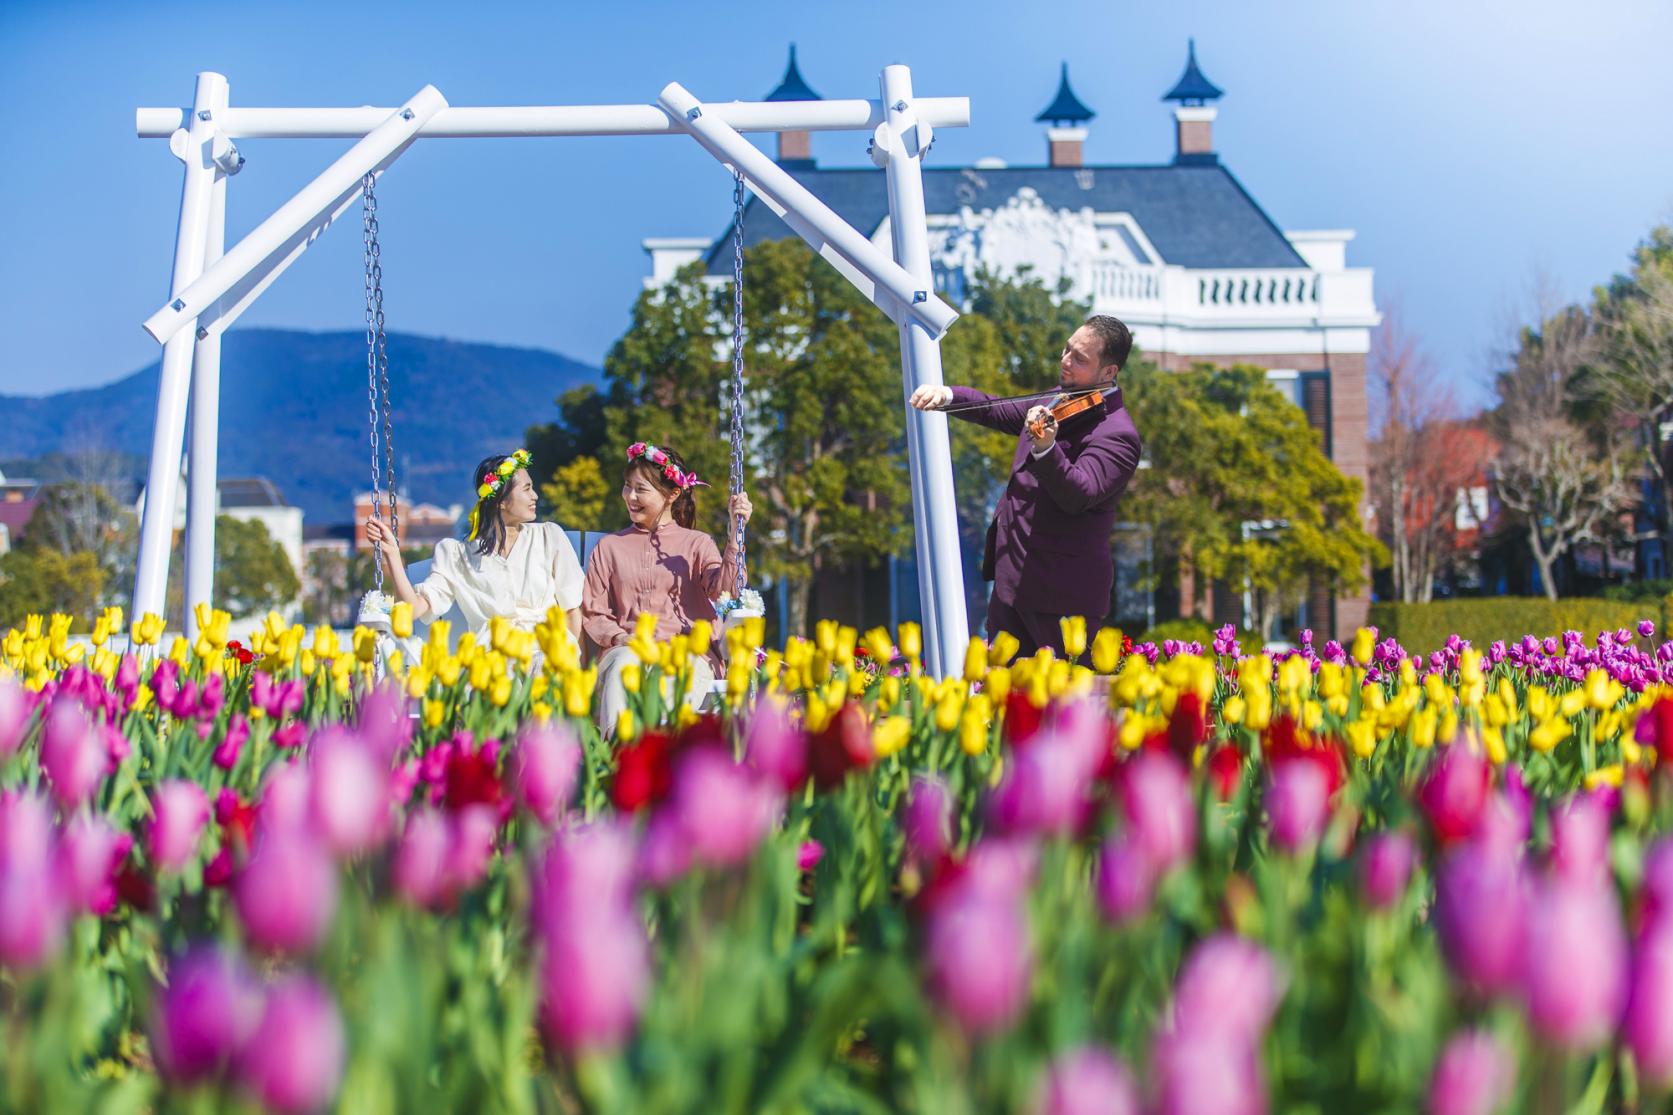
(208, 1009)
(1647, 1029)
(1385, 866)
(348, 792)
(809, 855)
(72, 754)
(545, 767)
(595, 974)
(90, 853)
(31, 916)
(1473, 1076)
(420, 867)
(587, 868)
(470, 847)
(15, 711)
(294, 1061)
(284, 798)
(179, 813)
(775, 746)
(1455, 793)
(927, 821)
(1125, 879)
(1657, 887)
(1297, 804)
(1228, 985)
(979, 961)
(26, 838)
(1212, 1073)
(1480, 906)
(1575, 963)
(1044, 789)
(287, 893)
(232, 743)
(724, 809)
(664, 854)
(1087, 1081)
(384, 725)
(1156, 799)
(1580, 839)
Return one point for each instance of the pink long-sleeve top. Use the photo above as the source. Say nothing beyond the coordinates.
(671, 572)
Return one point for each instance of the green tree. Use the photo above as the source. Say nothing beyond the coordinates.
(81, 516)
(578, 495)
(253, 574)
(41, 581)
(578, 435)
(1239, 486)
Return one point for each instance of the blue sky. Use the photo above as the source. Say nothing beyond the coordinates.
(1472, 144)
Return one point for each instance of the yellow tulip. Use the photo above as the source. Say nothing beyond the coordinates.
(1423, 725)
(435, 711)
(1571, 703)
(911, 640)
(1494, 741)
(1073, 629)
(975, 661)
(632, 675)
(400, 619)
(1362, 737)
(1003, 649)
(1106, 650)
(500, 693)
(947, 712)
(1234, 708)
(1365, 642)
(890, 735)
(1549, 734)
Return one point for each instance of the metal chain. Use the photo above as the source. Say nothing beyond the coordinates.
(738, 363)
(374, 331)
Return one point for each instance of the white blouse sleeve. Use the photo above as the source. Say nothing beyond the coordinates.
(439, 587)
(566, 570)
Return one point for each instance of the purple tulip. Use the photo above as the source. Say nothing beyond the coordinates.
(1125, 879)
(1647, 1028)
(595, 974)
(1385, 866)
(208, 1009)
(927, 821)
(725, 810)
(294, 1061)
(1647, 628)
(287, 893)
(348, 792)
(1657, 887)
(1212, 1073)
(774, 745)
(1297, 804)
(26, 839)
(545, 766)
(89, 854)
(1087, 1081)
(1228, 985)
(1575, 963)
(15, 711)
(809, 855)
(420, 868)
(72, 754)
(1480, 907)
(1161, 816)
(979, 961)
(232, 743)
(470, 848)
(179, 813)
(1580, 839)
(1473, 1076)
(664, 855)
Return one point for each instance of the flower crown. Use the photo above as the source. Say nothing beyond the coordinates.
(489, 484)
(681, 479)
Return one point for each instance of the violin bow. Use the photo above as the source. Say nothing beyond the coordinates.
(1053, 394)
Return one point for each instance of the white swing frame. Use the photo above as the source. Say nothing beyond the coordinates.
(213, 285)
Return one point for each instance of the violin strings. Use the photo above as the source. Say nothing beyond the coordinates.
(985, 403)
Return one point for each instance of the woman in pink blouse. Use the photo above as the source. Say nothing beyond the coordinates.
(660, 566)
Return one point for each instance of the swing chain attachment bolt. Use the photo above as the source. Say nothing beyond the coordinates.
(900, 106)
(694, 113)
(406, 114)
(203, 333)
(204, 114)
(177, 305)
(920, 296)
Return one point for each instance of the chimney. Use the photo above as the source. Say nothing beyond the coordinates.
(1194, 116)
(1065, 119)
(795, 149)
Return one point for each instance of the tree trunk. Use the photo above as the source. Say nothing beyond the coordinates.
(1542, 559)
(800, 596)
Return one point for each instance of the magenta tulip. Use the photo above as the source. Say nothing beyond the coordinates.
(725, 810)
(1580, 839)
(1087, 1081)
(1647, 1028)
(15, 711)
(979, 961)
(294, 1061)
(1385, 866)
(1212, 1073)
(287, 893)
(545, 766)
(775, 746)
(1480, 906)
(1044, 789)
(1228, 985)
(1473, 1076)
(208, 1009)
(90, 853)
(586, 868)
(1125, 879)
(348, 792)
(179, 813)
(595, 974)
(72, 754)
(470, 848)
(1297, 804)
(1575, 963)
(420, 868)
(1156, 800)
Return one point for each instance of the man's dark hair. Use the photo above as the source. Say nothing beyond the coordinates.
(1116, 337)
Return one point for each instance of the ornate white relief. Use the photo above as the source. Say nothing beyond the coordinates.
(1024, 232)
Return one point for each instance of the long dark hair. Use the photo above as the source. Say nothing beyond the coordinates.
(685, 501)
(490, 532)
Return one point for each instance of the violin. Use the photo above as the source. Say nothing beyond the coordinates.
(1064, 408)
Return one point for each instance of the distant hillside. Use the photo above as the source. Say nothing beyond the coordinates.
(294, 409)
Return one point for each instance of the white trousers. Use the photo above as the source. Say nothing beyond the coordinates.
(612, 698)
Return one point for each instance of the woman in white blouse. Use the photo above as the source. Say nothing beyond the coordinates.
(508, 566)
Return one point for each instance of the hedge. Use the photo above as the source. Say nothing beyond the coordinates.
(1481, 620)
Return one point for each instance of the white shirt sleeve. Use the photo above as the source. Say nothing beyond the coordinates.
(438, 587)
(566, 570)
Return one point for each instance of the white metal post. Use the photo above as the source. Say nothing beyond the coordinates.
(162, 487)
(325, 193)
(902, 138)
(203, 452)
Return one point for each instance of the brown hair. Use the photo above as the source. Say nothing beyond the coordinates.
(685, 502)
(1117, 339)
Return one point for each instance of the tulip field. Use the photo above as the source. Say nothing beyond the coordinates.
(298, 875)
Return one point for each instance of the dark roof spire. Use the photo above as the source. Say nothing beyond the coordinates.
(1192, 88)
(1066, 108)
(793, 88)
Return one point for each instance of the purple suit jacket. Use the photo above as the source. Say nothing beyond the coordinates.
(1048, 547)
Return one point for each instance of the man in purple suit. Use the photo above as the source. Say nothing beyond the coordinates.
(1048, 547)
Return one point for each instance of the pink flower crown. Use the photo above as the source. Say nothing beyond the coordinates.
(681, 479)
